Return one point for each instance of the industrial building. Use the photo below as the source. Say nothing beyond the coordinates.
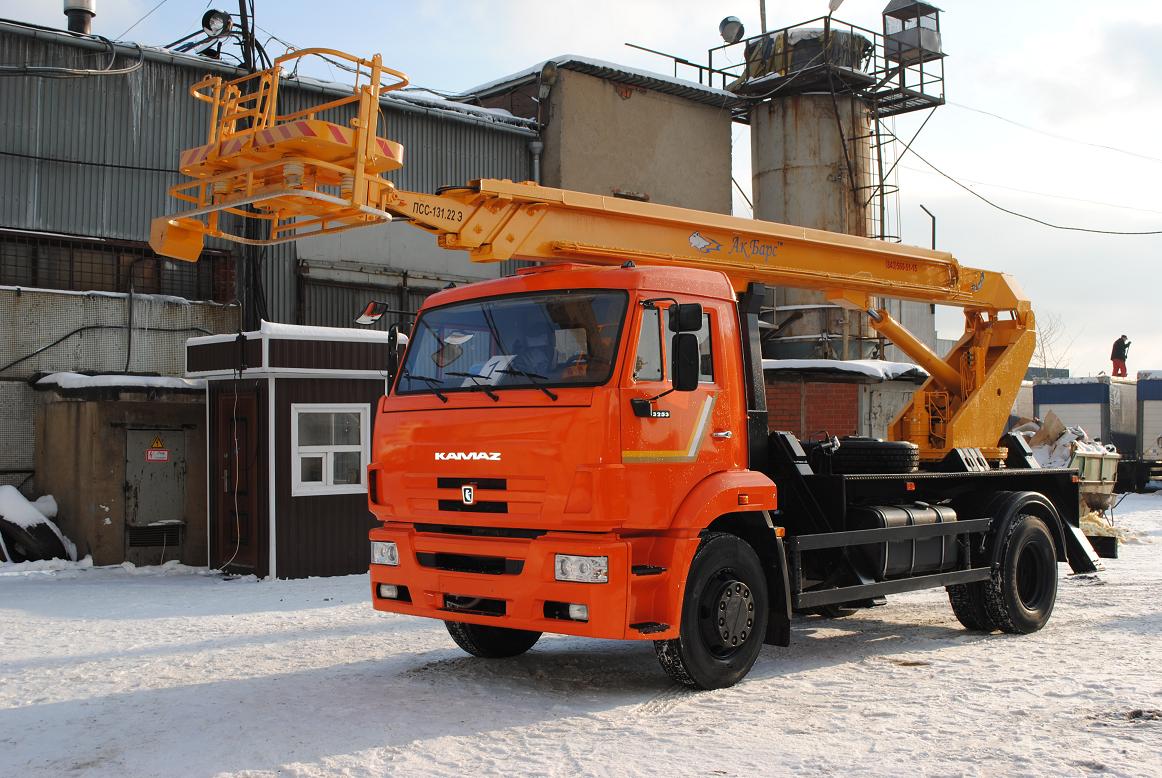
(86, 161)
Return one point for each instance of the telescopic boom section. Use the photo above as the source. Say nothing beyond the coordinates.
(323, 178)
(965, 403)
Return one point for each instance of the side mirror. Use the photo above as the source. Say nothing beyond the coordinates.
(686, 317)
(684, 369)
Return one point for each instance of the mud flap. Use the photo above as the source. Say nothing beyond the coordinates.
(1079, 551)
(779, 591)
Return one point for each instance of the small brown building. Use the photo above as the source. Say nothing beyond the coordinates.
(121, 455)
(289, 416)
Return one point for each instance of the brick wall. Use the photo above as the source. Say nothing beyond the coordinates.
(810, 408)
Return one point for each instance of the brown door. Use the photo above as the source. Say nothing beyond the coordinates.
(237, 479)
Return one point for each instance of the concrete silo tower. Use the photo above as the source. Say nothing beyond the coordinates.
(817, 94)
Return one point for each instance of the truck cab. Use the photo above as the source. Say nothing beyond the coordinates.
(534, 466)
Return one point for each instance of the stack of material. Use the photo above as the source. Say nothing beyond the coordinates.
(1055, 445)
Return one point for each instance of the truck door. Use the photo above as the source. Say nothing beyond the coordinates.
(687, 435)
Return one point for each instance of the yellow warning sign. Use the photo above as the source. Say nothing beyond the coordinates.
(157, 442)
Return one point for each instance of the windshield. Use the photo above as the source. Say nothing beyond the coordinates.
(526, 341)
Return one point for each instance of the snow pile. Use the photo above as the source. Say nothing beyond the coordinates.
(1054, 444)
(1095, 523)
(20, 514)
(879, 369)
(120, 381)
(107, 672)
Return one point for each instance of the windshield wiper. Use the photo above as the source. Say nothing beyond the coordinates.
(476, 385)
(432, 382)
(533, 377)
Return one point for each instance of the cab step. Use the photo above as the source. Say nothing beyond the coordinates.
(649, 627)
(647, 570)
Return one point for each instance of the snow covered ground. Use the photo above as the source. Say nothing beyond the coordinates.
(174, 671)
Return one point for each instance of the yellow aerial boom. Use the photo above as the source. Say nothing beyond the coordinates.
(299, 175)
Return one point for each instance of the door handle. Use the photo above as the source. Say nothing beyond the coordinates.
(724, 435)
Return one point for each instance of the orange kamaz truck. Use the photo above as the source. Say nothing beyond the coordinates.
(583, 448)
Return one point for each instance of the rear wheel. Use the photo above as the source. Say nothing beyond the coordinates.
(1020, 596)
(724, 616)
(491, 642)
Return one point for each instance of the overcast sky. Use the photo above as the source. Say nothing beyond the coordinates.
(1063, 68)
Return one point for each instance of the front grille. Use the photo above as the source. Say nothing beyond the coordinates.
(481, 532)
(484, 506)
(464, 563)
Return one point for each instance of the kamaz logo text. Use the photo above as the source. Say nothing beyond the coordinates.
(463, 456)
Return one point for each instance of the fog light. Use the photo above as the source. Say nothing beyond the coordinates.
(388, 592)
(582, 569)
(579, 612)
(384, 552)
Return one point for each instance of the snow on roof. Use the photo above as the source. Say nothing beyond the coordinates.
(1086, 379)
(406, 100)
(601, 68)
(280, 331)
(878, 369)
(441, 103)
(137, 296)
(1150, 375)
(80, 381)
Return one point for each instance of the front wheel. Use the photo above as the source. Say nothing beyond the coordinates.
(491, 642)
(1020, 595)
(724, 616)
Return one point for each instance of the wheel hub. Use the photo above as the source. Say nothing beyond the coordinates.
(733, 613)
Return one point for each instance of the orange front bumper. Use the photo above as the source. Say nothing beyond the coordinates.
(530, 599)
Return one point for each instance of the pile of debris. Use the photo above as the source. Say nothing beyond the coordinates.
(1056, 445)
(27, 532)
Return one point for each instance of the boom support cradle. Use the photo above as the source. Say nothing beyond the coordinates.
(300, 176)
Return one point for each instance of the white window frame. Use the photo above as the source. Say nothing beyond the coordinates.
(299, 488)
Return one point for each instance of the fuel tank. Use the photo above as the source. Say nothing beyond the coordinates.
(903, 558)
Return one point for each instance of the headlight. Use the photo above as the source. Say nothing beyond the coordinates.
(582, 569)
(384, 552)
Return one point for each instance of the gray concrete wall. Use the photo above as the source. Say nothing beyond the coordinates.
(604, 136)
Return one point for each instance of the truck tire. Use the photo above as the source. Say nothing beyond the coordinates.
(857, 456)
(724, 616)
(968, 603)
(1020, 595)
(491, 642)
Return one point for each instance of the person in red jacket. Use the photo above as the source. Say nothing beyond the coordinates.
(1118, 355)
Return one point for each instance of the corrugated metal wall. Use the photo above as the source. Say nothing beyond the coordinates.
(95, 155)
(337, 305)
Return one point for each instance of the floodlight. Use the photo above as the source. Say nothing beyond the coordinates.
(546, 80)
(216, 24)
(731, 29)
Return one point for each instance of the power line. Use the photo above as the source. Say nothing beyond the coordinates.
(1040, 194)
(1055, 135)
(115, 166)
(1020, 215)
(142, 19)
